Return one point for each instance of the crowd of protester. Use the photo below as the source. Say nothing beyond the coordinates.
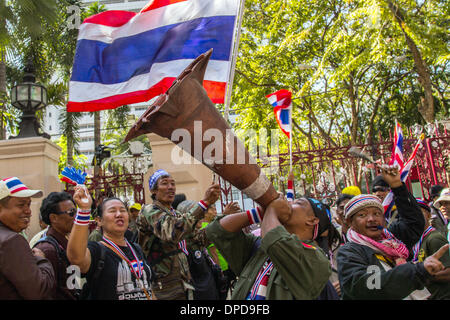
(182, 249)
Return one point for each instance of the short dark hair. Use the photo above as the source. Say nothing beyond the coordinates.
(379, 181)
(179, 198)
(4, 201)
(343, 197)
(100, 207)
(51, 204)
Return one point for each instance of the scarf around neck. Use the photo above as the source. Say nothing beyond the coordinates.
(389, 246)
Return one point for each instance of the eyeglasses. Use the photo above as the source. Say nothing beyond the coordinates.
(379, 188)
(70, 212)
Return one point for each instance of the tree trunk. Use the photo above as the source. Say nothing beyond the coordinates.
(69, 152)
(354, 125)
(426, 107)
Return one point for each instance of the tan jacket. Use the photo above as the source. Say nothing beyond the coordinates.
(22, 275)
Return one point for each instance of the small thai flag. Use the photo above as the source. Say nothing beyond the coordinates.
(282, 108)
(397, 150)
(388, 202)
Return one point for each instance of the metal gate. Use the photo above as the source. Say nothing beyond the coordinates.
(322, 173)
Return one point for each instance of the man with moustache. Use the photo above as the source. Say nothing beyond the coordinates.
(163, 232)
(374, 264)
(58, 211)
(24, 273)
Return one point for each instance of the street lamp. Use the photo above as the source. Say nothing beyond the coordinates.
(29, 97)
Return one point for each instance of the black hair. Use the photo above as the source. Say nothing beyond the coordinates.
(4, 201)
(179, 198)
(343, 197)
(100, 207)
(379, 181)
(435, 190)
(51, 204)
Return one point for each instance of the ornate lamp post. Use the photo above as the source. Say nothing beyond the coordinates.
(29, 97)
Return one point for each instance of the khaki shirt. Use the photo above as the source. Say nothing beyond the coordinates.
(300, 270)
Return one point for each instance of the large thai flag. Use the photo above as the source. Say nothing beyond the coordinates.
(282, 108)
(126, 57)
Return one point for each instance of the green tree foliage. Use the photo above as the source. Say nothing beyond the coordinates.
(79, 161)
(21, 26)
(348, 63)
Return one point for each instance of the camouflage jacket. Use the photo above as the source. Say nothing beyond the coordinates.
(160, 232)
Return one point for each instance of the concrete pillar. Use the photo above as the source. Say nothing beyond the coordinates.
(192, 178)
(35, 162)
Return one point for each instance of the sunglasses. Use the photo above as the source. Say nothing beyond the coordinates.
(70, 212)
(383, 189)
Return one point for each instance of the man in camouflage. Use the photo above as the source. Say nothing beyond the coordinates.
(163, 232)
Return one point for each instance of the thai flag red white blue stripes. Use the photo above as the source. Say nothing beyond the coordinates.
(259, 289)
(126, 57)
(137, 266)
(282, 108)
(14, 185)
(290, 191)
(388, 201)
(417, 246)
(397, 150)
(254, 215)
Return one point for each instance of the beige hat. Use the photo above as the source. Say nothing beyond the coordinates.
(13, 187)
(360, 202)
(444, 196)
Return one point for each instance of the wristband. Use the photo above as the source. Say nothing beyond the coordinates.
(203, 205)
(290, 190)
(82, 218)
(254, 215)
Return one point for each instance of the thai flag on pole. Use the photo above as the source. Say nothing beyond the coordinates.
(126, 57)
(397, 150)
(282, 108)
(388, 201)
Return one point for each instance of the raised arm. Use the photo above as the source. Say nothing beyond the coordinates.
(411, 223)
(77, 250)
(174, 228)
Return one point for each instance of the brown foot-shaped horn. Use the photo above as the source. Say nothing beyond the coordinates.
(186, 111)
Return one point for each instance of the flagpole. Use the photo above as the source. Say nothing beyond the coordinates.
(290, 138)
(233, 60)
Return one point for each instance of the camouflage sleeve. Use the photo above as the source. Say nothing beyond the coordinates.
(166, 226)
(199, 238)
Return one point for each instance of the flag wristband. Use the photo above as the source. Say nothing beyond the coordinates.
(290, 190)
(203, 205)
(254, 215)
(83, 217)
